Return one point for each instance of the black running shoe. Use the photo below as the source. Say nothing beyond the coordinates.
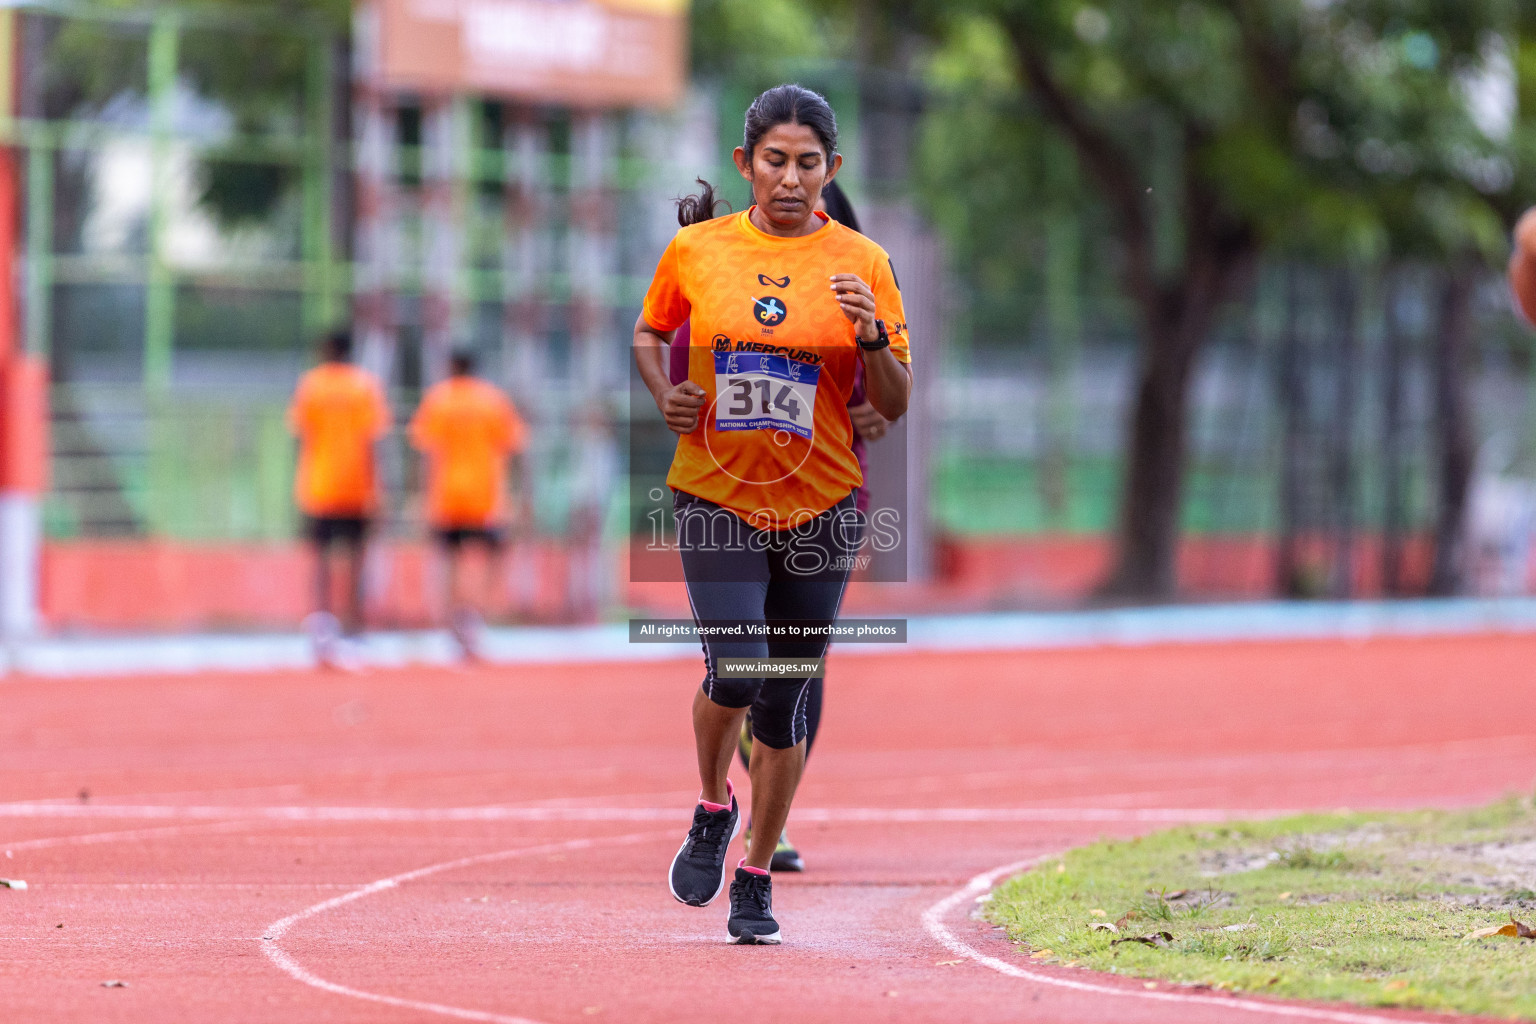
(751, 922)
(785, 856)
(698, 870)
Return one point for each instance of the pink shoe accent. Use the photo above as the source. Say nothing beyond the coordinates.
(742, 865)
(730, 791)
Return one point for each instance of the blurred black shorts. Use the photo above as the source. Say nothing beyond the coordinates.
(455, 537)
(328, 530)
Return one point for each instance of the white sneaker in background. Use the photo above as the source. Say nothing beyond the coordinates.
(324, 631)
(468, 631)
(347, 655)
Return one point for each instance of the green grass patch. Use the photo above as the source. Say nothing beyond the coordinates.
(1365, 908)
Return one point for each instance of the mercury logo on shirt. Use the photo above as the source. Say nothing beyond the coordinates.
(722, 343)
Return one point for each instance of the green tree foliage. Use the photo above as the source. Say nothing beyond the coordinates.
(729, 37)
(1210, 131)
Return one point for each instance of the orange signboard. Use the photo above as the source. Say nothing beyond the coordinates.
(584, 53)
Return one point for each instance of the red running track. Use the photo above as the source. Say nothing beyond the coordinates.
(491, 844)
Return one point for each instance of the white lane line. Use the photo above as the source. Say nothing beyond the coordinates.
(274, 932)
(838, 815)
(233, 886)
(91, 838)
(933, 922)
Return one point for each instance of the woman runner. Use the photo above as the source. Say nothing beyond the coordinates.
(785, 304)
(868, 425)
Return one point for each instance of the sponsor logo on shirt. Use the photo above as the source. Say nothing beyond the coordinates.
(769, 310)
(722, 343)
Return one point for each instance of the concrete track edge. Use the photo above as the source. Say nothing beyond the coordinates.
(1212, 623)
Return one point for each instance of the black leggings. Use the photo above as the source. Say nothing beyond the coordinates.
(737, 574)
(813, 692)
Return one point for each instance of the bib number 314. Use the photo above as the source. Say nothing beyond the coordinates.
(761, 391)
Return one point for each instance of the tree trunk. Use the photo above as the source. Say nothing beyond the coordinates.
(1342, 476)
(1293, 399)
(1176, 323)
(1154, 474)
(1177, 305)
(1394, 520)
(1453, 431)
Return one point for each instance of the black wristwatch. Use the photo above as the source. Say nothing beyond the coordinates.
(881, 341)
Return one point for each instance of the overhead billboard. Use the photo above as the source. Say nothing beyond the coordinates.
(583, 53)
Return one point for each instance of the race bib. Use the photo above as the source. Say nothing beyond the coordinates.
(763, 391)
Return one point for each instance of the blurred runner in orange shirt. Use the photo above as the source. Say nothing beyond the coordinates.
(338, 413)
(469, 430)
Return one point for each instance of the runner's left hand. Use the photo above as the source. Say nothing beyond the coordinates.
(858, 304)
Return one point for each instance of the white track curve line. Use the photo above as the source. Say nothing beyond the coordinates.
(933, 923)
(272, 935)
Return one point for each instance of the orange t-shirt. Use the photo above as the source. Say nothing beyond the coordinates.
(338, 412)
(776, 356)
(466, 428)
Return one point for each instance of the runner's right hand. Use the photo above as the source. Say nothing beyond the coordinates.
(680, 407)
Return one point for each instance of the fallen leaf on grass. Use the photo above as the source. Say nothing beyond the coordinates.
(1177, 894)
(13, 883)
(1397, 984)
(1238, 927)
(1041, 954)
(1160, 939)
(1096, 912)
(1515, 930)
(114, 984)
(1103, 926)
(1283, 896)
(1129, 915)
